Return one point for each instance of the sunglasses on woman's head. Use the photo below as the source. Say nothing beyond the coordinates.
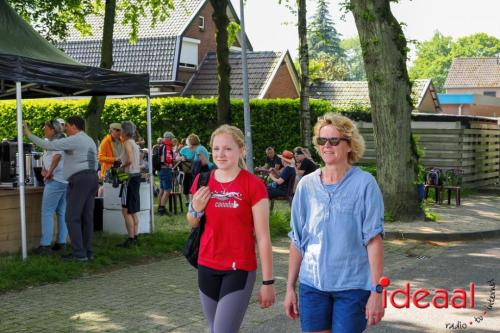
(332, 141)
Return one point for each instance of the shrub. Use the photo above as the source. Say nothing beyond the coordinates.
(275, 122)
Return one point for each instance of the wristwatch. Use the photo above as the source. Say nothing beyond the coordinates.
(268, 282)
(378, 288)
(194, 213)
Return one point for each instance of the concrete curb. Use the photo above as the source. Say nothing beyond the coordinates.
(443, 237)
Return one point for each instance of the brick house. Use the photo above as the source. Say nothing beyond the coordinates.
(351, 93)
(180, 49)
(472, 87)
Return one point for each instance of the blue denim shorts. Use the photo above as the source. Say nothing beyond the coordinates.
(165, 176)
(339, 311)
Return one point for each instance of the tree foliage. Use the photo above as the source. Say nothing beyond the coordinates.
(322, 35)
(327, 67)
(52, 18)
(353, 59)
(434, 57)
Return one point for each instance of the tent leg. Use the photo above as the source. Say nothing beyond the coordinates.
(150, 164)
(20, 163)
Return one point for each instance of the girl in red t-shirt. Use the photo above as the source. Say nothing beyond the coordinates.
(237, 208)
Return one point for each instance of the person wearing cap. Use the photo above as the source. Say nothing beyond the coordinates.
(279, 186)
(110, 149)
(336, 248)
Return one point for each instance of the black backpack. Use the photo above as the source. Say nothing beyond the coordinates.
(434, 177)
(192, 245)
(156, 160)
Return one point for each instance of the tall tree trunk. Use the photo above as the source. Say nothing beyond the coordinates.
(96, 104)
(384, 54)
(221, 21)
(305, 109)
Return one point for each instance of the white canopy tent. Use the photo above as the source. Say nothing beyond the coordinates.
(31, 67)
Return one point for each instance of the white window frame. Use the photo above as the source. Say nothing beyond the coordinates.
(190, 59)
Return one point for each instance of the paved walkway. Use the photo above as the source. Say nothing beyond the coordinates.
(162, 296)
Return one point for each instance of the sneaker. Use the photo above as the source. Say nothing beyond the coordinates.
(58, 247)
(161, 211)
(71, 257)
(43, 250)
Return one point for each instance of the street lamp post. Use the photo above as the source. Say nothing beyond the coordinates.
(246, 102)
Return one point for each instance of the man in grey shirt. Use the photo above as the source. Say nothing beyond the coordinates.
(80, 165)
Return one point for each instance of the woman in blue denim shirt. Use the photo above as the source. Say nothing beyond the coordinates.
(336, 248)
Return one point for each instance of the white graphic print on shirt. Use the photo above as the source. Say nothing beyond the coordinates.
(224, 199)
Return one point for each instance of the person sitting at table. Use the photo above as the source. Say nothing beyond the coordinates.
(272, 161)
(281, 179)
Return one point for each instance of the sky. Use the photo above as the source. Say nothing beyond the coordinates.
(271, 27)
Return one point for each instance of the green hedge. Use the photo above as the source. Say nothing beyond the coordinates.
(275, 122)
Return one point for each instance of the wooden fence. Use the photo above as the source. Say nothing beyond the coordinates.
(473, 146)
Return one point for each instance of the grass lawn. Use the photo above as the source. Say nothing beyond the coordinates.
(167, 240)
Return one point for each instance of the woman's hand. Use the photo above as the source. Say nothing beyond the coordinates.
(48, 176)
(374, 309)
(266, 296)
(291, 307)
(26, 129)
(200, 198)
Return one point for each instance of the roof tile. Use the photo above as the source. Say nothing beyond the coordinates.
(474, 73)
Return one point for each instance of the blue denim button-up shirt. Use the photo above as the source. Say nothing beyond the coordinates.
(331, 230)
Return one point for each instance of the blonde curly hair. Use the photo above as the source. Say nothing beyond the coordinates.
(347, 129)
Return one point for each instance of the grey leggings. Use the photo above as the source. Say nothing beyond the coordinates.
(224, 297)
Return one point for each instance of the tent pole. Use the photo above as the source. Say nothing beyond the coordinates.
(150, 164)
(20, 164)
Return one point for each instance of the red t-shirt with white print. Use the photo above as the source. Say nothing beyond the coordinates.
(228, 238)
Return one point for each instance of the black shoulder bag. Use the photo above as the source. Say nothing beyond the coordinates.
(192, 245)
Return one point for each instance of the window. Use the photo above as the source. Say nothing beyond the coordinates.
(201, 23)
(490, 93)
(189, 53)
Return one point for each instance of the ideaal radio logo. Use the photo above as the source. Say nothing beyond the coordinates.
(422, 298)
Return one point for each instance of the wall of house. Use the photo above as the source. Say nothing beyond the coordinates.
(472, 110)
(427, 105)
(185, 74)
(472, 90)
(282, 85)
(207, 36)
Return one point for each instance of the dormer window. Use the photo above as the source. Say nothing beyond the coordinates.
(201, 23)
(189, 53)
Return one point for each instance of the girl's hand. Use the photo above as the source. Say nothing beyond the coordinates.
(266, 296)
(200, 198)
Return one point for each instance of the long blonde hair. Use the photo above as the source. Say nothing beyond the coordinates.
(237, 136)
